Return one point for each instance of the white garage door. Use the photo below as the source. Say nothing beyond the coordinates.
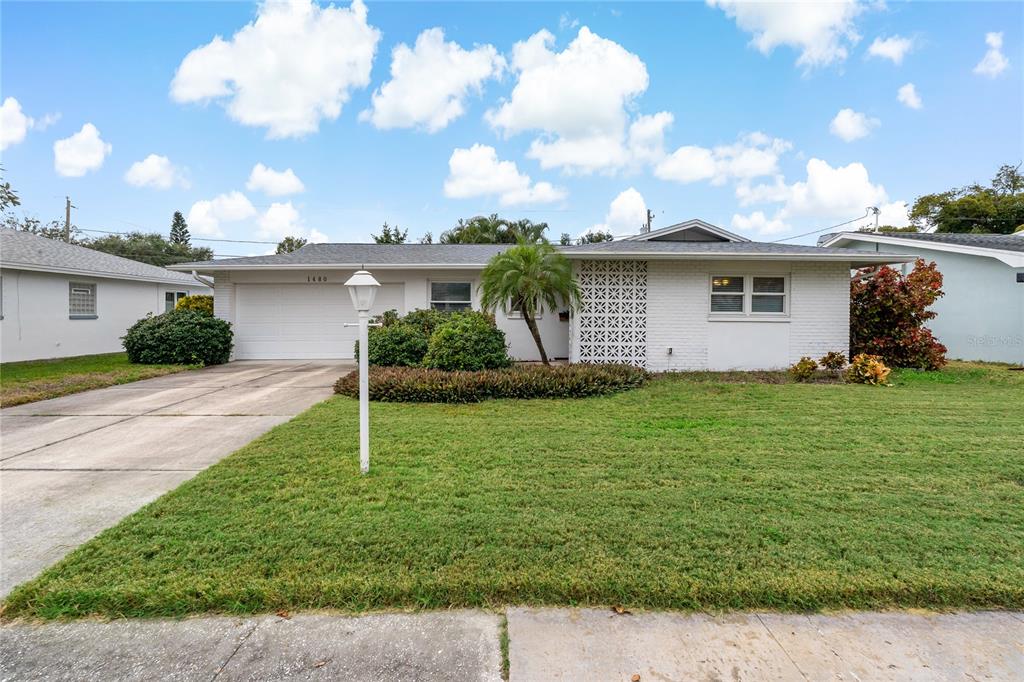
(301, 321)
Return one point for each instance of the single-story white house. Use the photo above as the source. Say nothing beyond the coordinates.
(689, 296)
(981, 316)
(59, 300)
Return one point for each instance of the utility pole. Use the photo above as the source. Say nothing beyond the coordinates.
(67, 218)
(650, 217)
(876, 211)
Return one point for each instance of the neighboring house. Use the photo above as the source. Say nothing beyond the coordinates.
(690, 296)
(981, 316)
(59, 300)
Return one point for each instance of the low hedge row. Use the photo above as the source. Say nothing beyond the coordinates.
(420, 385)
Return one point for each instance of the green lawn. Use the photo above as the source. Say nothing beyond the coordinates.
(27, 382)
(688, 493)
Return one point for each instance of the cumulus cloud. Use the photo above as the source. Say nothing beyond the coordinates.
(205, 217)
(81, 153)
(753, 155)
(477, 172)
(908, 97)
(850, 125)
(822, 31)
(155, 171)
(15, 123)
(578, 99)
(292, 67)
(626, 214)
(430, 82)
(272, 182)
(893, 48)
(282, 219)
(759, 223)
(994, 62)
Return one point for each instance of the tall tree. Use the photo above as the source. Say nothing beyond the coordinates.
(494, 230)
(179, 229)
(150, 248)
(289, 244)
(526, 278)
(975, 208)
(51, 230)
(427, 238)
(595, 237)
(390, 235)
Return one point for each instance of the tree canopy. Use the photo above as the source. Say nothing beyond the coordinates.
(494, 230)
(289, 244)
(390, 235)
(975, 208)
(149, 248)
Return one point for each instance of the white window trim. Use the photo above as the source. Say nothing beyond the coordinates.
(748, 292)
(430, 292)
(178, 295)
(94, 315)
(516, 315)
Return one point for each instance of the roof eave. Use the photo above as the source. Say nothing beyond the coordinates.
(214, 267)
(1014, 259)
(856, 259)
(99, 274)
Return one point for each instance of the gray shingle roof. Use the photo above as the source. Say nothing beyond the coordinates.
(29, 251)
(711, 249)
(370, 255)
(1004, 242)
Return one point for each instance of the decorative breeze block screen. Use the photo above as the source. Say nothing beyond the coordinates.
(611, 323)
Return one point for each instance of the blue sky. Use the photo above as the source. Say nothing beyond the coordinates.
(767, 120)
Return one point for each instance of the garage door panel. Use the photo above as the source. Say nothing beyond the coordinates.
(300, 321)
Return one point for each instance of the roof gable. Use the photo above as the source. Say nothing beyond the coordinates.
(693, 230)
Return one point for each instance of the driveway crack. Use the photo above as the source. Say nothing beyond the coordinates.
(241, 641)
(779, 644)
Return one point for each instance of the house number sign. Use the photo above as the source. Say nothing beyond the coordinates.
(316, 279)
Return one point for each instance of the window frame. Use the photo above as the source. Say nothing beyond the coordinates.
(748, 294)
(94, 290)
(431, 300)
(178, 295)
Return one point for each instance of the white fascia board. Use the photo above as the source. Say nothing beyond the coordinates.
(1014, 259)
(98, 274)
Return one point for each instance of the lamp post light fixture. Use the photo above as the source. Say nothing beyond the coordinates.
(363, 289)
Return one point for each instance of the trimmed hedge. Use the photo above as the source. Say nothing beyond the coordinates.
(468, 341)
(419, 385)
(395, 345)
(179, 337)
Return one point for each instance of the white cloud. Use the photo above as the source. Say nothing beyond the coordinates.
(295, 65)
(272, 182)
(626, 214)
(281, 220)
(759, 223)
(84, 151)
(753, 155)
(205, 217)
(908, 97)
(841, 192)
(155, 171)
(994, 62)
(567, 21)
(822, 31)
(577, 98)
(762, 194)
(477, 172)
(893, 48)
(15, 123)
(430, 82)
(646, 140)
(895, 213)
(850, 125)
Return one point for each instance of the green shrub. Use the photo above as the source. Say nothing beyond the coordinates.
(803, 369)
(428, 319)
(201, 303)
(833, 361)
(867, 369)
(180, 337)
(395, 345)
(404, 384)
(467, 341)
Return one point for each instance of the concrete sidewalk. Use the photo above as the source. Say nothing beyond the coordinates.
(544, 644)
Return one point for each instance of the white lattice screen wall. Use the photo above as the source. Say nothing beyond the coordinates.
(611, 322)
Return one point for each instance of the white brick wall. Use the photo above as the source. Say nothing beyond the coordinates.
(677, 316)
(224, 298)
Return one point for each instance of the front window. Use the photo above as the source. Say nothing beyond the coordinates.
(171, 299)
(81, 300)
(748, 295)
(448, 296)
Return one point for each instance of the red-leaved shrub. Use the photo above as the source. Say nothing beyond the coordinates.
(887, 315)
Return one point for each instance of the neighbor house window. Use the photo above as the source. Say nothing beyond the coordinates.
(451, 296)
(171, 299)
(748, 295)
(81, 300)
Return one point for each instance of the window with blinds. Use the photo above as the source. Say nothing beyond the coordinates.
(81, 300)
(748, 295)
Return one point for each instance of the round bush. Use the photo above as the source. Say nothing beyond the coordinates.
(469, 341)
(199, 302)
(396, 345)
(179, 337)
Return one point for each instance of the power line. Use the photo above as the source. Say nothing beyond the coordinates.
(196, 239)
(830, 227)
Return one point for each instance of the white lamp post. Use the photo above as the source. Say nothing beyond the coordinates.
(363, 289)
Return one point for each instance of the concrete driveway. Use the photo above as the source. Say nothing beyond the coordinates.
(72, 466)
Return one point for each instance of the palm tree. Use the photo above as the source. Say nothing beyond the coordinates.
(525, 279)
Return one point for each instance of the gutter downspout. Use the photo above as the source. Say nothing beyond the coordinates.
(199, 278)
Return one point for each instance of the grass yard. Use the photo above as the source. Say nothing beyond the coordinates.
(27, 382)
(690, 493)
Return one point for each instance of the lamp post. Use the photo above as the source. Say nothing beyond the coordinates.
(363, 289)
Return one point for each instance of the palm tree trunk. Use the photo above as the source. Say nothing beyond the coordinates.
(532, 324)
